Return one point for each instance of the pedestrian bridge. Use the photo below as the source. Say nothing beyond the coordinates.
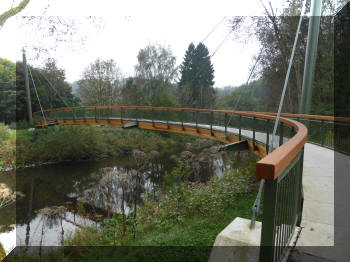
(299, 172)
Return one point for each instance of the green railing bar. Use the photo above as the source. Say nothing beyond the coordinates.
(211, 123)
(267, 135)
(167, 120)
(182, 120)
(240, 128)
(281, 133)
(225, 126)
(254, 132)
(267, 244)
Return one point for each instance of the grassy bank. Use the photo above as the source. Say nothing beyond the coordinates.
(76, 143)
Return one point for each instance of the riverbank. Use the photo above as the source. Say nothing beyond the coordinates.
(30, 148)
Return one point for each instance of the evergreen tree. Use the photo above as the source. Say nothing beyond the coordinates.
(197, 75)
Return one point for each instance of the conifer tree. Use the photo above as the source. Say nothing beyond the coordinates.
(197, 78)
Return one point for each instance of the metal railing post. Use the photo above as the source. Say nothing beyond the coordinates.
(225, 125)
(211, 123)
(254, 132)
(121, 115)
(136, 115)
(281, 133)
(167, 119)
(95, 115)
(267, 243)
(240, 128)
(197, 122)
(152, 112)
(182, 120)
(322, 132)
(267, 135)
(301, 200)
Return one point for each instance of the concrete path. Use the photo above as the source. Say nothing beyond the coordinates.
(322, 235)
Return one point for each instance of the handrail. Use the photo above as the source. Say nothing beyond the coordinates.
(315, 117)
(271, 166)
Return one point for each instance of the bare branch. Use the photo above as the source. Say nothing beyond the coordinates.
(12, 11)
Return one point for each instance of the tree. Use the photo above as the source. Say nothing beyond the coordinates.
(7, 91)
(101, 84)
(49, 81)
(12, 12)
(276, 35)
(197, 75)
(155, 73)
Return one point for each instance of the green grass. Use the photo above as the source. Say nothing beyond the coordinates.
(196, 230)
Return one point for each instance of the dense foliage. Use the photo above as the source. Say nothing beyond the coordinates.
(7, 91)
(276, 35)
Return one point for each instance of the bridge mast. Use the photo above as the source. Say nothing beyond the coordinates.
(26, 82)
(310, 56)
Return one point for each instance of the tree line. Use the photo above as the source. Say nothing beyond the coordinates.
(154, 83)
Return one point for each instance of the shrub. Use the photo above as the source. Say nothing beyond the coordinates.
(7, 147)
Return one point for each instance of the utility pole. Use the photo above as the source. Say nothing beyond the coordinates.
(26, 82)
(310, 56)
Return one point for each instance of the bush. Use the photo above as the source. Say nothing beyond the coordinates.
(7, 147)
(188, 199)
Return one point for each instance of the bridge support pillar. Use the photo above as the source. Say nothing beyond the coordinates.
(238, 242)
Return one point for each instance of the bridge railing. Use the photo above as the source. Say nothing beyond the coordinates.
(282, 168)
(326, 131)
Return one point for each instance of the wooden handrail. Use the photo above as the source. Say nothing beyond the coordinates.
(271, 166)
(314, 117)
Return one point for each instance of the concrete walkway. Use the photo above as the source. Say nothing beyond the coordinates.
(322, 235)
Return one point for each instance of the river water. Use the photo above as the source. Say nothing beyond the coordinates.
(55, 199)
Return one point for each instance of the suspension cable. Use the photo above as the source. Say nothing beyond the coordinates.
(246, 84)
(37, 96)
(50, 84)
(256, 205)
(205, 38)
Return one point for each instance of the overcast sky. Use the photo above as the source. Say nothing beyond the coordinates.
(131, 25)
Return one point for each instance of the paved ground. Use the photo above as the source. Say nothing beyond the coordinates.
(323, 235)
